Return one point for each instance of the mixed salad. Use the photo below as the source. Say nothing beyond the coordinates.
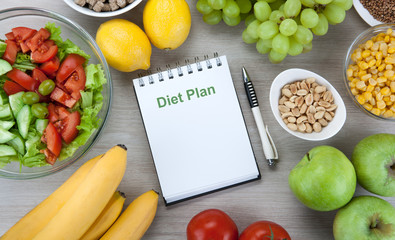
(49, 96)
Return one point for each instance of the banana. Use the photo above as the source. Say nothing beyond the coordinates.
(28, 226)
(89, 199)
(135, 220)
(106, 218)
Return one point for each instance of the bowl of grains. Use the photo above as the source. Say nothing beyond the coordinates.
(369, 71)
(102, 8)
(375, 12)
(306, 105)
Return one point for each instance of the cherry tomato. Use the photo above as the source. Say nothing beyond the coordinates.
(264, 230)
(62, 97)
(212, 224)
(76, 82)
(11, 87)
(51, 66)
(10, 52)
(52, 138)
(45, 52)
(68, 66)
(23, 79)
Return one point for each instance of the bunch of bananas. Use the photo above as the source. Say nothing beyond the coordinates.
(87, 206)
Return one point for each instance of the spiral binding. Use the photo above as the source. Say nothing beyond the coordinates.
(180, 72)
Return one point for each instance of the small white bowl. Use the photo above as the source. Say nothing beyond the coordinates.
(89, 12)
(296, 74)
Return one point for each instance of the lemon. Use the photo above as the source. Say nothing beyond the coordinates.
(125, 46)
(167, 22)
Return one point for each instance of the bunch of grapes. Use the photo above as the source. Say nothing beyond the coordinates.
(277, 27)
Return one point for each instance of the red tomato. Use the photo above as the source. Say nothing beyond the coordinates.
(52, 138)
(69, 125)
(264, 230)
(23, 79)
(44, 52)
(51, 66)
(68, 66)
(60, 96)
(23, 33)
(50, 157)
(53, 115)
(38, 39)
(212, 224)
(11, 87)
(10, 36)
(76, 82)
(38, 75)
(10, 51)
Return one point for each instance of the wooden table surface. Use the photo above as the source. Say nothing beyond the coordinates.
(267, 199)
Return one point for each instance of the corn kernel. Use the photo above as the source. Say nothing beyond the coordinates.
(361, 99)
(381, 67)
(385, 91)
(368, 44)
(392, 86)
(370, 88)
(378, 62)
(349, 72)
(368, 106)
(379, 55)
(388, 103)
(365, 53)
(391, 49)
(388, 114)
(367, 95)
(381, 80)
(360, 85)
(387, 39)
(389, 60)
(375, 111)
(371, 63)
(354, 91)
(366, 77)
(381, 104)
(363, 65)
(372, 101)
(392, 98)
(372, 82)
(361, 73)
(386, 99)
(389, 31)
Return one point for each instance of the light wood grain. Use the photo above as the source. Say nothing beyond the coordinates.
(267, 199)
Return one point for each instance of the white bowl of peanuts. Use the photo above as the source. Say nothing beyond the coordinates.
(102, 8)
(369, 71)
(306, 105)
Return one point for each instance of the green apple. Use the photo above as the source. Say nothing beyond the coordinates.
(324, 179)
(374, 163)
(365, 217)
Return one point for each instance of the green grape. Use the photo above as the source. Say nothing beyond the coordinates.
(334, 13)
(247, 37)
(261, 47)
(252, 28)
(268, 1)
(288, 27)
(323, 1)
(203, 7)
(267, 30)
(277, 16)
(276, 57)
(303, 35)
(295, 48)
(307, 47)
(345, 4)
(309, 18)
(249, 19)
(262, 11)
(217, 4)
(280, 43)
(244, 5)
(292, 8)
(322, 26)
(231, 21)
(213, 18)
(276, 5)
(231, 9)
(308, 3)
(281, 8)
(266, 42)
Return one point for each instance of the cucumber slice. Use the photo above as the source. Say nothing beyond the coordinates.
(6, 150)
(5, 67)
(5, 112)
(23, 120)
(6, 125)
(5, 135)
(3, 97)
(17, 143)
(41, 124)
(16, 103)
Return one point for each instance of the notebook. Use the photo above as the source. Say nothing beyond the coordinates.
(195, 128)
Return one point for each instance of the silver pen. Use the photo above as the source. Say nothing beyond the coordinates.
(269, 148)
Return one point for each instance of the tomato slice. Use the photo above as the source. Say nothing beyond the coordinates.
(76, 82)
(38, 39)
(45, 52)
(53, 116)
(51, 66)
(23, 79)
(11, 87)
(38, 75)
(53, 139)
(10, 36)
(68, 66)
(69, 125)
(60, 96)
(50, 157)
(23, 33)
(10, 52)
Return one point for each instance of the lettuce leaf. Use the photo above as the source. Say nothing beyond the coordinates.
(33, 144)
(3, 46)
(23, 62)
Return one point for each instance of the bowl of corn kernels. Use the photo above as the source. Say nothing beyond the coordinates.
(369, 71)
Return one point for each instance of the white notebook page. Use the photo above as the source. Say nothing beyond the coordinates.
(196, 131)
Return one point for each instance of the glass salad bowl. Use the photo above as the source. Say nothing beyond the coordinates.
(36, 19)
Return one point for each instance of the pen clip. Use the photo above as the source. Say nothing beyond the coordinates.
(271, 143)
